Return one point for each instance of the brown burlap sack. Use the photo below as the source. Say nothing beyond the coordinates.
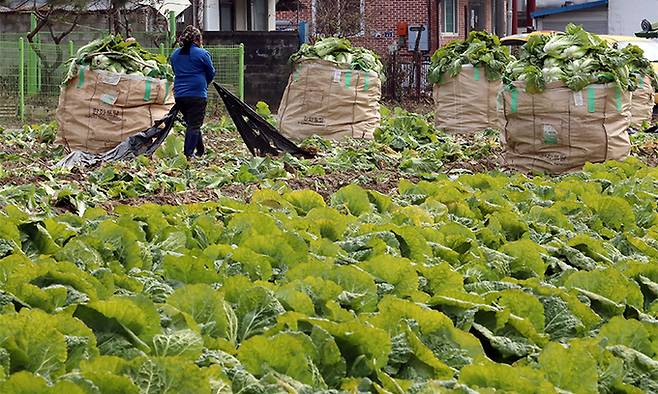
(643, 102)
(560, 130)
(466, 103)
(97, 110)
(329, 100)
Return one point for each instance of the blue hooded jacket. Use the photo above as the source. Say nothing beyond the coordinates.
(193, 72)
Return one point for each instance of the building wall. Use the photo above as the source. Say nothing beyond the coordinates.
(625, 16)
(558, 3)
(240, 15)
(440, 38)
(383, 16)
(593, 20)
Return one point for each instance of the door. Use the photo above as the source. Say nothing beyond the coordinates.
(476, 15)
(226, 15)
(258, 13)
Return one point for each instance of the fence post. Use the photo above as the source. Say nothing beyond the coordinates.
(32, 61)
(172, 29)
(38, 64)
(162, 49)
(21, 79)
(241, 72)
(71, 49)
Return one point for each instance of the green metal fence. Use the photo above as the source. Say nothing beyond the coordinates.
(31, 73)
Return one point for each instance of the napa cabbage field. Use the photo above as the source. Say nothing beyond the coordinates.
(414, 263)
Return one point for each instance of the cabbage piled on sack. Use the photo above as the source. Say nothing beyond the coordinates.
(639, 66)
(116, 55)
(479, 49)
(575, 57)
(340, 50)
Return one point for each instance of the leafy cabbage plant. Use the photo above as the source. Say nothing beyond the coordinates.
(482, 283)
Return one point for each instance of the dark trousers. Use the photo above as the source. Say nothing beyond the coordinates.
(193, 110)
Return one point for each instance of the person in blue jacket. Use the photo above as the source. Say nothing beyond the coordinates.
(193, 72)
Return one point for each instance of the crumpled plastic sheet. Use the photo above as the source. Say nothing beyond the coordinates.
(144, 143)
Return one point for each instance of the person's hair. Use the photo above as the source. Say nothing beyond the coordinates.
(191, 35)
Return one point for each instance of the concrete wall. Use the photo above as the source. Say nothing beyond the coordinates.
(625, 16)
(266, 61)
(89, 24)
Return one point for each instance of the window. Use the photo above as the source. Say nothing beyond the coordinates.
(449, 16)
(338, 17)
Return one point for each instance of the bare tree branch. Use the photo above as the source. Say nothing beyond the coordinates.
(63, 34)
(42, 20)
(45, 15)
(341, 17)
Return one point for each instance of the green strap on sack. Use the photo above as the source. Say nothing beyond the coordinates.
(167, 87)
(348, 78)
(591, 99)
(641, 84)
(514, 105)
(618, 97)
(477, 73)
(298, 71)
(147, 93)
(366, 81)
(81, 77)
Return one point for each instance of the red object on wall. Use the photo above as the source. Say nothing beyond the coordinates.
(402, 29)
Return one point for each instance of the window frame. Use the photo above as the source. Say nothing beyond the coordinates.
(455, 18)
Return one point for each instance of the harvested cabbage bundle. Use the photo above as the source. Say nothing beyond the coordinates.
(479, 49)
(340, 50)
(115, 55)
(575, 57)
(640, 67)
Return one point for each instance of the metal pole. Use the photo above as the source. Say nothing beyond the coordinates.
(172, 29)
(531, 5)
(515, 16)
(508, 27)
(241, 73)
(194, 7)
(21, 79)
(38, 63)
